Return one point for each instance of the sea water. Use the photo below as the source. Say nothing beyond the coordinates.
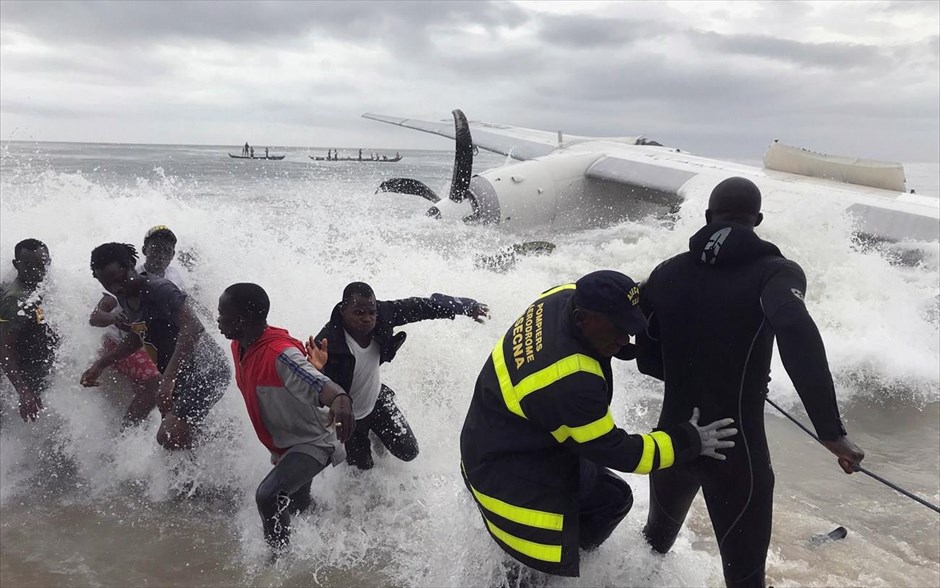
(84, 504)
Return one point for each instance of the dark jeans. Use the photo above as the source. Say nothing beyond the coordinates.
(388, 423)
(605, 501)
(285, 490)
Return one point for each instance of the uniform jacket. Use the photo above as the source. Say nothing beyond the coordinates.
(541, 403)
(341, 364)
(281, 391)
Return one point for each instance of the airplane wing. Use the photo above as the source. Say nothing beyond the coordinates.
(516, 142)
(874, 192)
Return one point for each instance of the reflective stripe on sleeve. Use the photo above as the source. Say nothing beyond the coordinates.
(664, 443)
(524, 516)
(560, 369)
(646, 461)
(587, 432)
(540, 551)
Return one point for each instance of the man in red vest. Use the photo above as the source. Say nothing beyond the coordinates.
(291, 405)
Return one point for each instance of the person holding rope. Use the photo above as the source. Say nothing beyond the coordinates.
(714, 312)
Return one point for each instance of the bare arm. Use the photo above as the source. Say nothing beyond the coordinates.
(102, 315)
(128, 345)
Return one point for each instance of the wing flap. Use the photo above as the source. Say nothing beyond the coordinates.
(660, 178)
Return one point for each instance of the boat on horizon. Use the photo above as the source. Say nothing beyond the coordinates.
(356, 159)
(271, 157)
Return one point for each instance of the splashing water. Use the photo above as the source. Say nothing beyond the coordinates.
(83, 504)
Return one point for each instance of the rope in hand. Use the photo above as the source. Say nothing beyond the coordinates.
(859, 468)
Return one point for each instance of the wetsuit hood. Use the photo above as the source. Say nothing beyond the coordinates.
(728, 244)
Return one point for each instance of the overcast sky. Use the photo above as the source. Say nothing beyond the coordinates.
(720, 79)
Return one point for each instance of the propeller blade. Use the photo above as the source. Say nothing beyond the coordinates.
(409, 186)
(463, 158)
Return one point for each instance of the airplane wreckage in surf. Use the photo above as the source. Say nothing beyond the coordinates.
(564, 182)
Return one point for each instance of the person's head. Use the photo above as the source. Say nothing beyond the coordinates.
(607, 310)
(31, 259)
(241, 307)
(735, 200)
(113, 265)
(159, 248)
(358, 309)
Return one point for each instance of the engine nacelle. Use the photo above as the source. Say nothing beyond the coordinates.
(529, 193)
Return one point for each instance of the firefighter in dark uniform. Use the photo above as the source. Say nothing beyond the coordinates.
(539, 435)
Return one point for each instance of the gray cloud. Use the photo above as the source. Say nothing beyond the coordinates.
(301, 73)
(825, 55)
(590, 32)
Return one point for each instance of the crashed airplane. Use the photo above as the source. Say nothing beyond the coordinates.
(566, 182)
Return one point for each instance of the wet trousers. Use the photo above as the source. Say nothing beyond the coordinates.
(605, 499)
(285, 490)
(388, 423)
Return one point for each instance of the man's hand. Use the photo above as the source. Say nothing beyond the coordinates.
(91, 376)
(30, 405)
(317, 355)
(849, 453)
(711, 435)
(165, 396)
(341, 413)
(480, 312)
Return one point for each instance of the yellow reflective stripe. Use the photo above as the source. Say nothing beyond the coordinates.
(505, 382)
(560, 369)
(664, 443)
(540, 551)
(518, 514)
(555, 290)
(646, 461)
(587, 432)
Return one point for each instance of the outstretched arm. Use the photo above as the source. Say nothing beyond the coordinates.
(804, 357)
(437, 306)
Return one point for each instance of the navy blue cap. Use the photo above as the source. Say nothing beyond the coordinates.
(614, 295)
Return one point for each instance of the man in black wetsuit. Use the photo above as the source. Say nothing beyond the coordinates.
(162, 321)
(714, 312)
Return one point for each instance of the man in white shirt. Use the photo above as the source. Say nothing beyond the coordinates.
(359, 337)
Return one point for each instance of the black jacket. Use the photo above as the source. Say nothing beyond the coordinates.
(714, 312)
(391, 313)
